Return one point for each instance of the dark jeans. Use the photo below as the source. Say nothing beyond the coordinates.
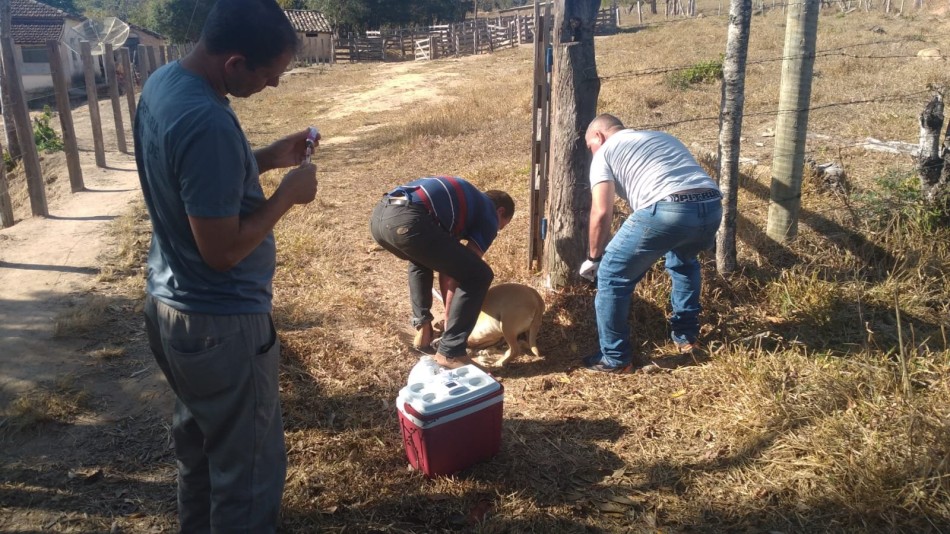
(229, 437)
(412, 234)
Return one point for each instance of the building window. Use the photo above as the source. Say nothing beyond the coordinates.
(35, 54)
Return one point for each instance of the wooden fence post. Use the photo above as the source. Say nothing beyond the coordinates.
(92, 98)
(114, 96)
(162, 54)
(791, 124)
(141, 54)
(61, 88)
(540, 137)
(126, 60)
(152, 61)
(575, 88)
(24, 131)
(6, 206)
(730, 130)
(930, 162)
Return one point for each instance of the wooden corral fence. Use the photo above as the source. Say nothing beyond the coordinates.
(510, 28)
(125, 71)
(370, 47)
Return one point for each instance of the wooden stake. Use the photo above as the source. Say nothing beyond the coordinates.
(92, 97)
(6, 206)
(24, 130)
(126, 60)
(141, 55)
(61, 87)
(116, 102)
(152, 61)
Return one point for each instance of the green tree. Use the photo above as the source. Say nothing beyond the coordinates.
(68, 6)
(179, 20)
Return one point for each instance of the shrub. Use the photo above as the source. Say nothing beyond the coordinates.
(8, 162)
(704, 71)
(44, 135)
(896, 201)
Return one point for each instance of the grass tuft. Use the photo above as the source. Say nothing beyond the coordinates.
(58, 402)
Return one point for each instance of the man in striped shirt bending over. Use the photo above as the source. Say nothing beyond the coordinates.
(423, 222)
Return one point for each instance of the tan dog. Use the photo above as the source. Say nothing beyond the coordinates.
(509, 310)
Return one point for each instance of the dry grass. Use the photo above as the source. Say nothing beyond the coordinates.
(819, 408)
(82, 318)
(108, 353)
(59, 402)
(822, 407)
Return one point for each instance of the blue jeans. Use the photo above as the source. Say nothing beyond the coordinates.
(678, 230)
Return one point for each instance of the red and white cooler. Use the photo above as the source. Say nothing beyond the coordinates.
(451, 420)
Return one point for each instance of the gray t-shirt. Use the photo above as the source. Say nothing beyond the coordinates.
(646, 167)
(194, 160)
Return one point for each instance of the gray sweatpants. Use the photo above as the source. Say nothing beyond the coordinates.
(229, 437)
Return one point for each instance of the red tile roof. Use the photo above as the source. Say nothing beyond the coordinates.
(31, 9)
(34, 23)
(36, 33)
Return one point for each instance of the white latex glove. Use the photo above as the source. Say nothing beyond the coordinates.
(589, 269)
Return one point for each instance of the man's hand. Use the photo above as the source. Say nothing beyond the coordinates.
(299, 186)
(284, 152)
(589, 269)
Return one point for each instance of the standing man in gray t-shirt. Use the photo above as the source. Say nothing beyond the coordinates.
(212, 260)
(676, 212)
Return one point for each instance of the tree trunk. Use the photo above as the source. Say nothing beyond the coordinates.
(938, 195)
(730, 129)
(788, 159)
(930, 161)
(9, 126)
(575, 88)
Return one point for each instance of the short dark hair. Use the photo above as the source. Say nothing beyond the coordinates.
(257, 29)
(502, 200)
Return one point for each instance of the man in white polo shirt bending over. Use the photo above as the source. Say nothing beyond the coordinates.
(676, 211)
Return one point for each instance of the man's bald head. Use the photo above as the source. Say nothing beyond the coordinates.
(600, 129)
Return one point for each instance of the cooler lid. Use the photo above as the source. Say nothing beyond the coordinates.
(447, 390)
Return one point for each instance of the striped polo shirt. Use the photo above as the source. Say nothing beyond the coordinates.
(461, 209)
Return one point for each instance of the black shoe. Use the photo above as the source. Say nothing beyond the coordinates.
(595, 362)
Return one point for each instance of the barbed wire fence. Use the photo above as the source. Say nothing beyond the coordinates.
(771, 109)
(119, 77)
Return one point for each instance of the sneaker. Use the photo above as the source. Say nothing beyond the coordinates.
(595, 362)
